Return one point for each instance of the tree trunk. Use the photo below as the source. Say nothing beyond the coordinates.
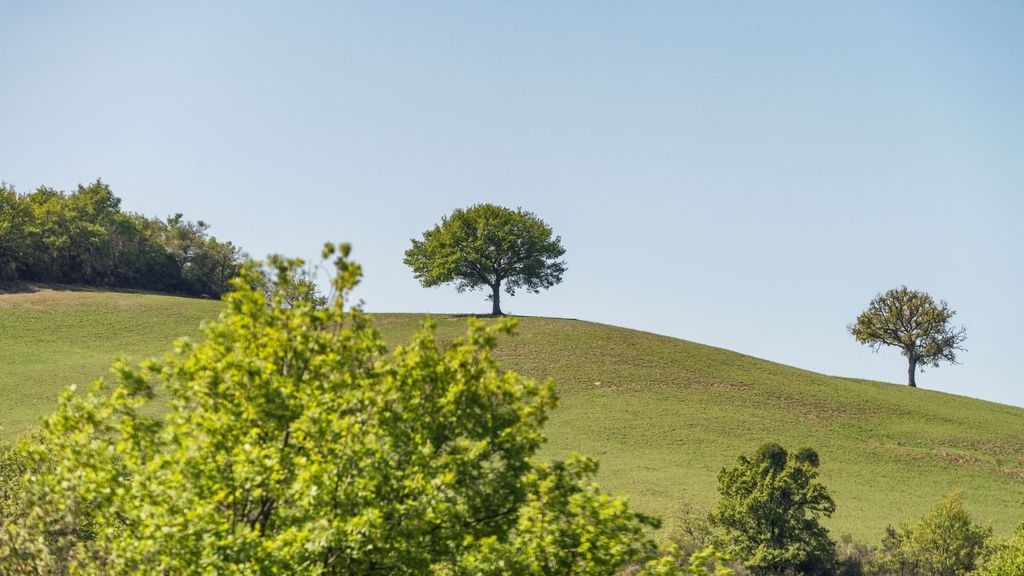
(496, 300)
(911, 372)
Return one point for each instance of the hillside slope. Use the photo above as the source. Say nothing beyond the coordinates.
(50, 339)
(665, 415)
(662, 415)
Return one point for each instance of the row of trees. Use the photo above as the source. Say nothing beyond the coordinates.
(84, 237)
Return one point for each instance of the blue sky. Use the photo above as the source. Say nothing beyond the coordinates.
(746, 175)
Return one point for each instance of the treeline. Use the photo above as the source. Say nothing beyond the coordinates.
(84, 237)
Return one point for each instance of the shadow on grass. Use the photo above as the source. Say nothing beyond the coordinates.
(30, 288)
(17, 288)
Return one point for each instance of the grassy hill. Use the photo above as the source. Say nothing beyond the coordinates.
(662, 415)
(52, 338)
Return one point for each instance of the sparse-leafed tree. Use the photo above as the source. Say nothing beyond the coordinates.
(913, 322)
(287, 282)
(488, 246)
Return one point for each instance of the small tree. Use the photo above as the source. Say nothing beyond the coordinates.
(913, 322)
(945, 542)
(769, 510)
(489, 246)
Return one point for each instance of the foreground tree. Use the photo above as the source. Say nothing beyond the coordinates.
(489, 246)
(913, 322)
(295, 443)
(768, 513)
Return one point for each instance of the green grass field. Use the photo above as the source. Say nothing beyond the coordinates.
(662, 415)
(50, 339)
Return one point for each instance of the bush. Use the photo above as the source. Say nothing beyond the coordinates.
(944, 542)
(1006, 557)
(707, 562)
(769, 510)
(855, 558)
(13, 466)
(689, 549)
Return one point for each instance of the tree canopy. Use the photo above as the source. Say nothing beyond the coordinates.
(913, 322)
(86, 238)
(295, 443)
(488, 246)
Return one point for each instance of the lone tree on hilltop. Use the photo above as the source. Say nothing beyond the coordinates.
(489, 246)
(913, 322)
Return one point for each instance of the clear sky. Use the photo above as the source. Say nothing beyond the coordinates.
(746, 175)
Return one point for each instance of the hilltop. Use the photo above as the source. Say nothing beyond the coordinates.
(662, 415)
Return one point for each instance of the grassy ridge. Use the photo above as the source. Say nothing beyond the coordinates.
(662, 415)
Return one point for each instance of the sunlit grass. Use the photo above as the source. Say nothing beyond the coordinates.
(50, 339)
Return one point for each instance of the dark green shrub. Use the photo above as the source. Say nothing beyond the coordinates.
(769, 511)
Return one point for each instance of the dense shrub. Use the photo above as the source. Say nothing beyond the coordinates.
(85, 238)
(768, 513)
(13, 466)
(1006, 557)
(944, 542)
(707, 562)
